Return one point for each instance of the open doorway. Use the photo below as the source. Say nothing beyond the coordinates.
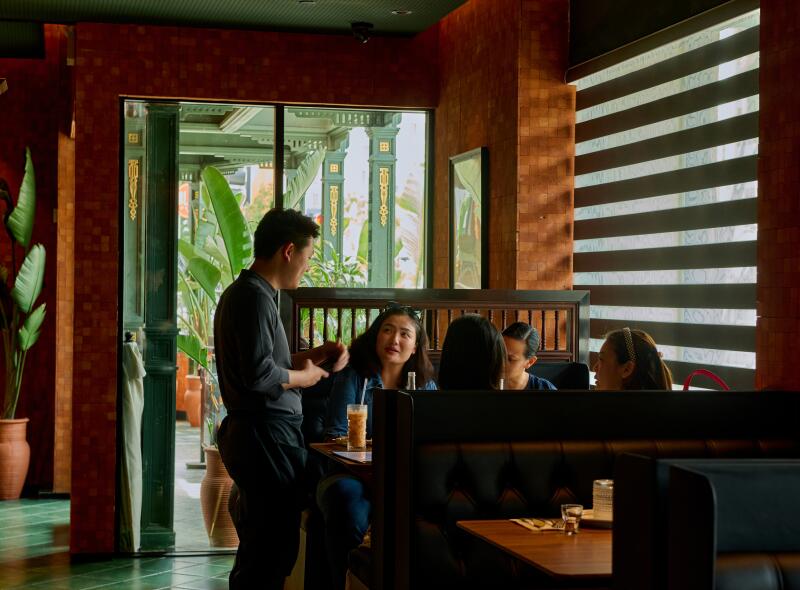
(197, 179)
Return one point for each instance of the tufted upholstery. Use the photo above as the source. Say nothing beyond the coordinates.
(474, 455)
(734, 525)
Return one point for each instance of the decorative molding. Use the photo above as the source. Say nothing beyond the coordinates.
(384, 146)
(133, 188)
(383, 184)
(334, 198)
(334, 168)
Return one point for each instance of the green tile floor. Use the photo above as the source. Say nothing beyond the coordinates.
(34, 537)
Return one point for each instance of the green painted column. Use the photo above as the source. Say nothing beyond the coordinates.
(382, 162)
(132, 219)
(333, 199)
(161, 327)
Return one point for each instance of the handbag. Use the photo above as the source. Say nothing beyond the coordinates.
(706, 373)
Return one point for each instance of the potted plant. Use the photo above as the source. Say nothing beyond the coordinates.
(20, 324)
(215, 490)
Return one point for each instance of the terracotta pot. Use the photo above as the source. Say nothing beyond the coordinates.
(191, 399)
(214, 492)
(180, 381)
(15, 455)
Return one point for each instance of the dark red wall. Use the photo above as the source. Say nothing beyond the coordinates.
(31, 112)
(779, 199)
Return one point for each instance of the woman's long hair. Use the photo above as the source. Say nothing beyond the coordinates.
(473, 355)
(650, 371)
(364, 358)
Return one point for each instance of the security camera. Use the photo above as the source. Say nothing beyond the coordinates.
(362, 31)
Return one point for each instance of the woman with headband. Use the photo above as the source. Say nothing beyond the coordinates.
(629, 359)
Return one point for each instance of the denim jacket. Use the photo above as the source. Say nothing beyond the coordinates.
(347, 390)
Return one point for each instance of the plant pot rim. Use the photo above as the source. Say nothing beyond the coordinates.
(14, 420)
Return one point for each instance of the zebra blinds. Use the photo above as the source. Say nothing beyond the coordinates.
(665, 197)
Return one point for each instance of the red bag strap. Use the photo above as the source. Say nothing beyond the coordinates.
(705, 372)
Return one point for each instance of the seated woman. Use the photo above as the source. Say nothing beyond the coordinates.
(381, 358)
(522, 344)
(629, 359)
(473, 355)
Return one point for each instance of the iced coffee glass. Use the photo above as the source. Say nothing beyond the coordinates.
(356, 427)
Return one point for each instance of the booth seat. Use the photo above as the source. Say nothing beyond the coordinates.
(734, 526)
(441, 457)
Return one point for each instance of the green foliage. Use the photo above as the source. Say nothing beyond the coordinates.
(306, 173)
(333, 270)
(20, 320)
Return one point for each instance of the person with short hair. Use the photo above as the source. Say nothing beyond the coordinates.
(522, 344)
(629, 359)
(260, 439)
(381, 358)
(473, 355)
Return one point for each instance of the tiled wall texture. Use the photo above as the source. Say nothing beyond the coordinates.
(115, 61)
(30, 115)
(779, 199)
(502, 65)
(62, 468)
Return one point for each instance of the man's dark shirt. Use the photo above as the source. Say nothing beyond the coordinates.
(251, 349)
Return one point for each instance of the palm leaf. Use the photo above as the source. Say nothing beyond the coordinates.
(29, 332)
(20, 222)
(306, 173)
(232, 226)
(469, 173)
(206, 274)
(28, 283)
(194, 349)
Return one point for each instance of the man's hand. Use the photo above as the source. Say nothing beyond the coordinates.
(308, 376)
(341, 354)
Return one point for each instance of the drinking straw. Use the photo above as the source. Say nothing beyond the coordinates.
(363, 391)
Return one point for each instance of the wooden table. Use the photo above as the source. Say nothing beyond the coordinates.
(361, 470)
(585, 555)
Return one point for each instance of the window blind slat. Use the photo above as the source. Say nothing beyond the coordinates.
(710, 95)
(698, 138)
(725, 296)
(732, 171)
(728, 255)
(707, 56)
(725, 214)
(722, 337)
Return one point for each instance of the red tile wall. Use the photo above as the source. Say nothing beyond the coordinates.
(779, 199)
(30, 115)
(546, 148)
(502, 65)
(118, 60)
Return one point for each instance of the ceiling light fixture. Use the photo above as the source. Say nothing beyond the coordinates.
(400, 12)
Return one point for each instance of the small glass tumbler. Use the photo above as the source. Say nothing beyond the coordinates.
(571, 513)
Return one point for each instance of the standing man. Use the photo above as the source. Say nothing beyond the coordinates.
(260, 439)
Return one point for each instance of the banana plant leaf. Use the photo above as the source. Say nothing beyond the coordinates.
(231, 222)
(29, 332)
(194, 349)
(469, 174)
(28, 283)
(20, 222)
(206, 274)
(306, 173)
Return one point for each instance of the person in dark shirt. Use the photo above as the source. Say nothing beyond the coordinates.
(381, 358)
(473, 355)
(260, 440)
(522, 344)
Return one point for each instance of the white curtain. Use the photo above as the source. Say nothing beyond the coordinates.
(132, 407)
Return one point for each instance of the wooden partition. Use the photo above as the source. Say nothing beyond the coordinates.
(311, 315)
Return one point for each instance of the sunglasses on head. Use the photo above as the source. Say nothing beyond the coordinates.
(394, 305)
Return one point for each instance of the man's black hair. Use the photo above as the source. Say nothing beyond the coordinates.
(525, 333)
(279, 227)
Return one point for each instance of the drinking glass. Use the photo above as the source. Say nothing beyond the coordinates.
(356, 427)
(571, 513)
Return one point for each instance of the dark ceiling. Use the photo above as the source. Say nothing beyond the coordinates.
(330, 16)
